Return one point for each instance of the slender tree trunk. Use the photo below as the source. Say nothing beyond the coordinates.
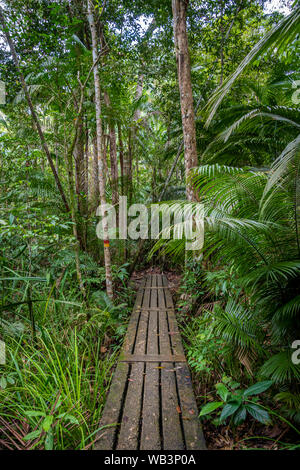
(137, 172)
(114, 173)
(131, 155)
(114, 166)
(180, 148)
(138, 95)
(79, 156)
(222, 43)
(154, 183)
(185, 88)
(129, 161)
(123, 250)
(86, 168)
(121, 156)
(32, 110)
(56, 147)
(127, 166)
(86, 185)
(95, 175)
(79, 167)
(69, 165)
(104, 138)
(68, 155)
(107, 258)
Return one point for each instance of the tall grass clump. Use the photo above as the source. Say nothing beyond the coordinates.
(54, 382)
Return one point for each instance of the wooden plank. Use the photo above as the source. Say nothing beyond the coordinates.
(171, 426)
(152, 357)
(150, 431)
(112, 411)
(162, 387)
(129, 431)
(155, 309)
(134, 320)
(111, 414)
(194, 439)
(156, 287)
(173, 327)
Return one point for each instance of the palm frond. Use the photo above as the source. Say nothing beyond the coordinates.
(281, 369)
(279, 36)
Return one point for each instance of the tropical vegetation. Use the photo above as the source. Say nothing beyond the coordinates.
(95, 108)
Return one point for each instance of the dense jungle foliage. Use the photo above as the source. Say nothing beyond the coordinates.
(91, 110)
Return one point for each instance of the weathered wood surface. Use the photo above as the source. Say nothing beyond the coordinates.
(152, 357)
(151, 403)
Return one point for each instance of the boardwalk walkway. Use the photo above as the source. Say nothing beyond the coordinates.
(151, 404)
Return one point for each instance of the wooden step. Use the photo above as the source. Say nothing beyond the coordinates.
(151, 403)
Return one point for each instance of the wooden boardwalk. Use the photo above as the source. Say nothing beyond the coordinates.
(151, 404)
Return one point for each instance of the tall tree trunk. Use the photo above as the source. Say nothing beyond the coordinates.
(123, 244)
(86, 185)
(32, 110)
(68, 156)
(137, 172)
(180, 148)
(56, 146)
(95, 175)
(69, 166)
(132, 155)
(138, 95)
(105, 139)
(86, 168)
(107, 258)
(79, 167)
(114, 166)
(222, 30)
(79, 156)
(128, 168)
(121, 156)
(179, 8)
(126, 165)
(114, 173)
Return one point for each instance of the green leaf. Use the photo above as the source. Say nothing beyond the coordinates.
(33, 413)
(49, 440)
(47, 423)
(32, 435)
(3, 382)
(210, 407)
(240, 415)
(234, 385)
(23, 278)
(67, 417)
(222, 391)
(278, 37)
(229, 409)
(257, 388)
(258, 413)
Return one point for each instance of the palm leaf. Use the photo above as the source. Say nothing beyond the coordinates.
(279, 36)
